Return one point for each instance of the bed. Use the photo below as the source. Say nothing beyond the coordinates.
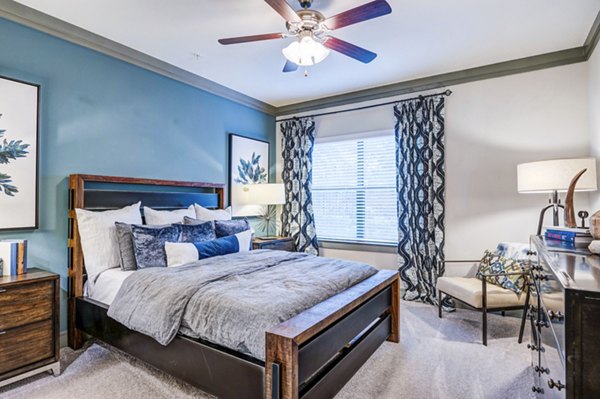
(311, 355)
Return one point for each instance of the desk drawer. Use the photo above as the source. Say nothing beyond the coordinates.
(552, 312)
(26, 304)
(26, 345)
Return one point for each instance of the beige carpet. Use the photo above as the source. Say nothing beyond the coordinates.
(436, 359)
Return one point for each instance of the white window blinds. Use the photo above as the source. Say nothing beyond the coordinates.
(354, 188)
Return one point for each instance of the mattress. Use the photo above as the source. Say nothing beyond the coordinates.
(107, 284)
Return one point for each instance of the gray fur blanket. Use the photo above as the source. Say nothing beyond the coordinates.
(231, 300)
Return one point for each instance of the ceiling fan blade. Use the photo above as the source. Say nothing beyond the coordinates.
(253, 38)
(365, 12)
(290, 67)
(349, 49)
(285, 10)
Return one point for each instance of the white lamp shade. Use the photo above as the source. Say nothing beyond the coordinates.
(556, 175)
(258, 194)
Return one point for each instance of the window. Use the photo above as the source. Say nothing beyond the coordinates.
(354, 188)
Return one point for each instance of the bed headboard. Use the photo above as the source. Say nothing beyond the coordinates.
(109, 192)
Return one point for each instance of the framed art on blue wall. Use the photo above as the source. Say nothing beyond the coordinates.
(248, 164)
(19, 146)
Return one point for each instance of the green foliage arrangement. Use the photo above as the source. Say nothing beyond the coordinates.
(250, 172)
(10, 151)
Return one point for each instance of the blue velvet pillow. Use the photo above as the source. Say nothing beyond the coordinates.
(183, 253)
(149, 244)
(220, 246)
(198, 232)
(225, 228)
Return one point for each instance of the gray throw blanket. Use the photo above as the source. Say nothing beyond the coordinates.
(231, 300)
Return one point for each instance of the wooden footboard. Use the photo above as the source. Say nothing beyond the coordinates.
(315, 353)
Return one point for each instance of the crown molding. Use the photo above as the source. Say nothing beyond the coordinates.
(32, 18)
(548, 60)
(40, 21)
(528, 64)
(592, 39)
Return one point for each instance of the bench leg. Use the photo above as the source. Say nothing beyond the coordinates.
(524, 317)
(484, 311)
(439, 304)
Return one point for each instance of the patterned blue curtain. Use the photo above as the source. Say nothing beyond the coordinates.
(420, 185)
(297, 218)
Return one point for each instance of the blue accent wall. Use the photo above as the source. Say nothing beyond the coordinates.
(103, 116)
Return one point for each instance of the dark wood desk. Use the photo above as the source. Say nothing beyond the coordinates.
(565, 322)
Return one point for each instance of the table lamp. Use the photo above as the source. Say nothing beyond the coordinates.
(261, 194)
(555, 176)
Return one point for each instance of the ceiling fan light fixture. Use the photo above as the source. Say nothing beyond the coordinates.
(306, 51)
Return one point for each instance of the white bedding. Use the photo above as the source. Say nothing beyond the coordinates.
(107, 285)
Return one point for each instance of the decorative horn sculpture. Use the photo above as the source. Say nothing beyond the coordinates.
(569, 209)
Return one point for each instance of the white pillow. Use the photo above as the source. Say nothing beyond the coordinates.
(212, 214)
(99, 236)
(154, 217)
(245, 240)
(181, 253)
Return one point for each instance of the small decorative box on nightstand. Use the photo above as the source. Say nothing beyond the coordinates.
(29, 324)
(275, 243)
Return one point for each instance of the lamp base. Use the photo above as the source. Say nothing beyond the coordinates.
(555, 204)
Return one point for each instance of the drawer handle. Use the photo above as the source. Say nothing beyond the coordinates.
(552, 315)
(542, 370)
(542, 323)
(532, 308)
(2, 290)
(556, 384)
(535, 348)
(2, 332)
(537, 389)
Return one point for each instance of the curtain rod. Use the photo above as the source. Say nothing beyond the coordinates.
(445, 93)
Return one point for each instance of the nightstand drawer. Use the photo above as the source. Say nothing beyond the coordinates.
(26, 345)
(26, 304)
(284, 245)
(274, 243)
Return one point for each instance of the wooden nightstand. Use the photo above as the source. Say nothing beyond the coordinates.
(275, 243)
(29, 325)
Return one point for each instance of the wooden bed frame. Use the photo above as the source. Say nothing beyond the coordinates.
(312, 355)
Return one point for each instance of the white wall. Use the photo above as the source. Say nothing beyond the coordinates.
(491, 126)
(594, 101)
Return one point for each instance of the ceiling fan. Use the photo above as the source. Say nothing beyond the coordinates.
(312, 30)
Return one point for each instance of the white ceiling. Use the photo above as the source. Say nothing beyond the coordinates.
(420, 38)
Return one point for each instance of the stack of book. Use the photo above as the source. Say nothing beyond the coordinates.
(13, 257)
(576, 237)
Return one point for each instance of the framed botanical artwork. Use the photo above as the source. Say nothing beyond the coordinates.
(19, 146)
(248, 164)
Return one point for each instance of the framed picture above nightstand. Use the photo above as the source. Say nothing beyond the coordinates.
(274, 243)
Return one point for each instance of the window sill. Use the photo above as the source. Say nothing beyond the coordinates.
(389, 248)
